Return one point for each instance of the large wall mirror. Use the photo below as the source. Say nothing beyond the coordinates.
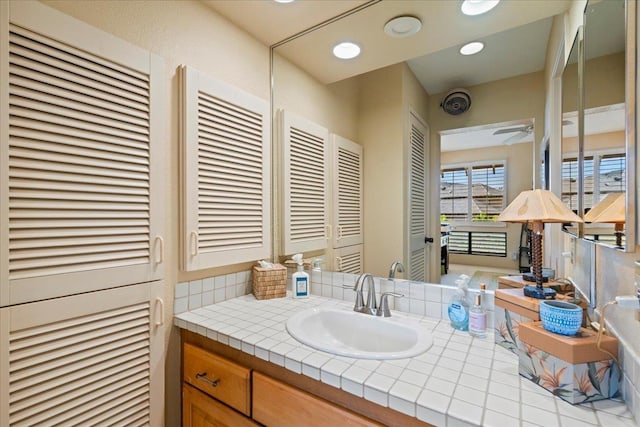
(572, 133)
(598, 167)
(349, 99)
(609, 139)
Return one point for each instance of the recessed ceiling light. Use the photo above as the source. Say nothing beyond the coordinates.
(402, 26)
(283, 1)
(471, 48)
(478, 7)
(346, 50)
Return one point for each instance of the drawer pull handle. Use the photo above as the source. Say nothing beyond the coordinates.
(203, 377)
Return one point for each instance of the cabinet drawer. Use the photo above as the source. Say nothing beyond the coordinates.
(200, 410)
(218, 377)
(278, 404)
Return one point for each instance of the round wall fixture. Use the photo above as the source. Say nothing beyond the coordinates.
(456, 102)
(402, 26)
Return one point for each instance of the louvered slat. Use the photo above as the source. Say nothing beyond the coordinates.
(79, 159)
(69, 371)
(307, 178)
(417, 182)
(417, 266)
(349, 193)
(417, 226)
(230, 149)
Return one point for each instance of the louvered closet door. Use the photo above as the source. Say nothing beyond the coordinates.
(418, 193)
(226, 164)
(349, 259)
(81, 147)
(346, 178)
(89, 359)
(305, 178)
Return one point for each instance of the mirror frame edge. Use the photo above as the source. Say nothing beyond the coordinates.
(630, 119)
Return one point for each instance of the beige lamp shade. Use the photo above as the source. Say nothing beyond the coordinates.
(538, 206)
(611, 209)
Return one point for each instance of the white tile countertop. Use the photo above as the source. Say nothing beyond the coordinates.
(459, 381)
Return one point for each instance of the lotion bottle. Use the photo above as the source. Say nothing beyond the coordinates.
(300, 279)
(478, 315)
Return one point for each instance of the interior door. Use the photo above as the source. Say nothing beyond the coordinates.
(419, 241)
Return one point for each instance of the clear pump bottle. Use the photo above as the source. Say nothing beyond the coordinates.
(478, 315)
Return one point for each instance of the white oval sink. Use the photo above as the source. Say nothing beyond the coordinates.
(358, 335)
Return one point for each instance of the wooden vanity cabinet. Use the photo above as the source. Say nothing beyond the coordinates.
(253, 392)
(278, 404)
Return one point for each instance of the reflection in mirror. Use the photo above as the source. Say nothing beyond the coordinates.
(570, 134)
(604, 119)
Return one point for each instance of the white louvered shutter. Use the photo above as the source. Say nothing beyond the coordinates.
(305, 190)
(81, 146)
(226, 165)
(88, 359)
(417, 200)
(347, 178)
(349, 259)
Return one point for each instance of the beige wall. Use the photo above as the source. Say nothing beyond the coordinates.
(181, 32)
(380, 131)
(518, 178)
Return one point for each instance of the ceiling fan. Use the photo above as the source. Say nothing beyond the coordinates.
(520, 132)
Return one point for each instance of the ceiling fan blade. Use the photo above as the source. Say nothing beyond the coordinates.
(515, 138)
(510, 130)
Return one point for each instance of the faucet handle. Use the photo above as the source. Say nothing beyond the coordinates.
(383, 310)
(359, 304)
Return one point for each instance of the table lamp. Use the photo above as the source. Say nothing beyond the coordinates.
(610, 210)
(536, 207)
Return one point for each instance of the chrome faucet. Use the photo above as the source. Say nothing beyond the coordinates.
(371, 306)
(396, 266)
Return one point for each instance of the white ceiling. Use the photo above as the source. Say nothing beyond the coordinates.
(515, 34)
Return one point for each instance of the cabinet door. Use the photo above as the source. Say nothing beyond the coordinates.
(81, 157)
(417, 218)
(305, 184)
(226, 173)
(278, 404)
(200, 410)
(349, 259)
(92, 358)
(347, 180)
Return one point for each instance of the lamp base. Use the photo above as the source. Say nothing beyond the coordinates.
(535, 292)
(530, 277)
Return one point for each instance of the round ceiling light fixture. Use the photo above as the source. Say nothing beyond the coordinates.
(283, 1)
(402, 26)
(346, 50)
(478, 7)
(471, 48)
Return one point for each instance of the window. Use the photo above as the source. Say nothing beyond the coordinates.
(611, 176)
(570, 183)
(473, 192)
(603, 173)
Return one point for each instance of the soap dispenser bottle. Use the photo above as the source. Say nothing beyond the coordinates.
(458, 307)
(300, 279)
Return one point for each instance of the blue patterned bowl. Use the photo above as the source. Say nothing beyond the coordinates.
(560, 317)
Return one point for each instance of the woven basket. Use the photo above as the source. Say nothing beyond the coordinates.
(270, 283)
